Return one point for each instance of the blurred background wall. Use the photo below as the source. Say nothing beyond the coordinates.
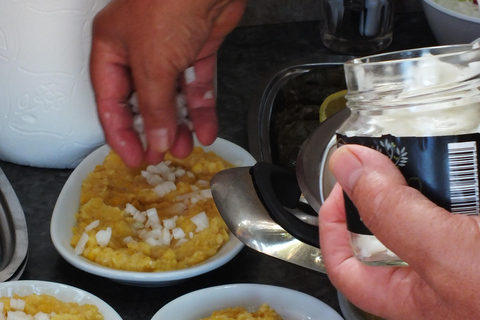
(279, 11)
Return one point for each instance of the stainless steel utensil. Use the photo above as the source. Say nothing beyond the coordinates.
(245, 215)
(13, 233)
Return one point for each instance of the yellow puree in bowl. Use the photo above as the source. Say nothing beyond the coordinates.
(56, 309)
(240, 313)
(111, 186)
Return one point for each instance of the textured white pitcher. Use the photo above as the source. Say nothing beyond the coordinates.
(48, 116)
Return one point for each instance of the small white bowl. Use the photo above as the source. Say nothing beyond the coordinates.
(60, 291)
(68, 202)
(450, 27)
(289, 304)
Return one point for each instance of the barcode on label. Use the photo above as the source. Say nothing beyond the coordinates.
(463, 166)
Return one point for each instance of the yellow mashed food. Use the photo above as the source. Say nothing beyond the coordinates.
(240, 313)
(44, 306)
(113, 196)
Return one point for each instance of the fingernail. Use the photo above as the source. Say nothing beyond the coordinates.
(346, 167)
(158, 139)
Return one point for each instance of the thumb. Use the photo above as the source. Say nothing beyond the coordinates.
(398, 215)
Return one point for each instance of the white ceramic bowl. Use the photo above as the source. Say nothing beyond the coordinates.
(450, 27)
(60, 291)
(289, 304)
(63, 219)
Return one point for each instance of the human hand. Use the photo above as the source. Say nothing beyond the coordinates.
(145, 47)
(442, 280)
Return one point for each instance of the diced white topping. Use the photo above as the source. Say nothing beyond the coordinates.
(153, 169)
(201, 221)
(202, 183)
(17, 304)
(153, 219)
(179, 172)
(206, 193)
(177, 209)
(141, 233)
(152, 232)
(140, 217)
(194, 199)
(92, 225)
(134, 103)
(170, 177)
(196, 195)
(81, 244)
(164, 188)
(103, 237)
(138, 225)
(183, 197)
(155, 233)
(130, 209)
(153, 242)
(178, 233)
(41, 316)
(166, 237)
(208, 95)
(163, 167)
(190, 76)
(128, 240)
(181, 109)
(154, 180)
(170, 223)
(18, 315)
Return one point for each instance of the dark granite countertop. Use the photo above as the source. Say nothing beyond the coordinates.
(246, 57)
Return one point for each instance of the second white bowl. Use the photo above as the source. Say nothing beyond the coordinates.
(60, 291)
(289, 304)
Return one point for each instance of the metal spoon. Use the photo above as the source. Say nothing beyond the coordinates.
(13, 233)
(247, 218)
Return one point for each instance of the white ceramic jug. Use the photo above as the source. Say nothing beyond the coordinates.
(48, 116)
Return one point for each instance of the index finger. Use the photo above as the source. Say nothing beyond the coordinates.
(111, 84)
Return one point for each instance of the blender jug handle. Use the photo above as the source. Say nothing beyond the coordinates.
(278, 191)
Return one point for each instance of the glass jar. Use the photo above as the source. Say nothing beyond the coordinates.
(421, 108)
